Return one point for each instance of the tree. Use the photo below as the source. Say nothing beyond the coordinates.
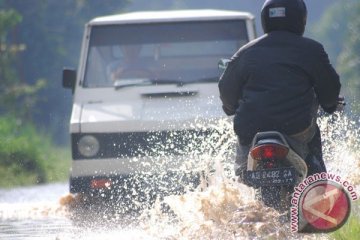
(52, 32)
(338, 30)
(331, 30)
(349, 59)
(16, 97)
(20, 153)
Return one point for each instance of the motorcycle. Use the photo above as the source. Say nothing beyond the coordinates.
(275, 167)
(276, 164)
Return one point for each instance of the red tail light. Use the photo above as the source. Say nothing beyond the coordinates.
(269, 151)
(100, 183)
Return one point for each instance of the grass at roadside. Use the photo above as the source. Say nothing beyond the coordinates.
(28, 157)
(58, 166)
(351, 229)
(56, 169)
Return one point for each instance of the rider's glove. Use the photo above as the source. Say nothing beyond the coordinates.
(341, 104)
(228, 111)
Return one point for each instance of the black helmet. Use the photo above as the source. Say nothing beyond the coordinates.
(284, 15)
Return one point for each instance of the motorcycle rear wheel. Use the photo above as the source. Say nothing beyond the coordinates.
(277, 197)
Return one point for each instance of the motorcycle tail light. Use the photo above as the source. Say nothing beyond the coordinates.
(269, 151)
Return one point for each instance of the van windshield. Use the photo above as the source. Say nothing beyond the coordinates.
(179, 51)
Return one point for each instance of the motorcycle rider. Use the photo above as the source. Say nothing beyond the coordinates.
(276, 83)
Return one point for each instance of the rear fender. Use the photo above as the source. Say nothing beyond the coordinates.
(292, 158)
(262, 138)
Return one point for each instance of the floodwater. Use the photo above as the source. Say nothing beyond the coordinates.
(223, 211)
(33, 213)
(219, 209)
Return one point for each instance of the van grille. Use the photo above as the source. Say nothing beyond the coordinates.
(137, 144)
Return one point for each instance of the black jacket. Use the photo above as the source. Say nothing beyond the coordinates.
(276, 82)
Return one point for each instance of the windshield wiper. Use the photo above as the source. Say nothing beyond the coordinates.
(122, 83)
(182, 82)
(166, 81)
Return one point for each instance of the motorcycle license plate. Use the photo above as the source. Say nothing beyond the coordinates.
(270, 177)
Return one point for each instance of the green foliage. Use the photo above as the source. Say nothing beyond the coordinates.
(338, 30)
(331, 29)
(9, 19)
(16, 97)
(37, 38)
(24, 154)
(27, 157)
(19, 149)
(349, 59)
(351, 229)
(52, 33)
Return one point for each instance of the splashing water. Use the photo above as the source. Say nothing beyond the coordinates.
(219, 208)
(341, 145)
(226, 209)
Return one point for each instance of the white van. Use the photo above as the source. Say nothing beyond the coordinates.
(144, 83)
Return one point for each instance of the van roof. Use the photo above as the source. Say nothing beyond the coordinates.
(170, 16)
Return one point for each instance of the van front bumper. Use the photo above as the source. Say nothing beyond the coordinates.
(135, 185)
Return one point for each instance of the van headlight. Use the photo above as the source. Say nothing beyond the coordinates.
(88, 146)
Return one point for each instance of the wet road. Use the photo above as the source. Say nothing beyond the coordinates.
(36, 213)
(41, 213)
(223, 210)
(33, 213)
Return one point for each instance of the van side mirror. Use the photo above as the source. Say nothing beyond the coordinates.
(69, 78)
(223, 63)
